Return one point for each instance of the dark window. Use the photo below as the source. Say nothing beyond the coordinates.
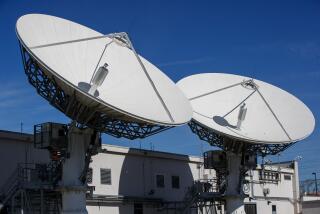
(274, 209)
(160, 181)
(175, 181)
(250, 208)
(105, 176)
(271, 176)
(287, 177)
(137, 208)
(89, 176)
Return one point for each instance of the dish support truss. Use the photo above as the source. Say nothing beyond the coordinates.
(84, 115)
(235, 146)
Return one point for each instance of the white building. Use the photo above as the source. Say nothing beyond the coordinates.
(274, 188)
(141, 181)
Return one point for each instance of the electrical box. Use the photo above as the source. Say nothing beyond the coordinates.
(214, 159)
(50, 135)
(250, 161)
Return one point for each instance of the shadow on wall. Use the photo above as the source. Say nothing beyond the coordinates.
(150, 176)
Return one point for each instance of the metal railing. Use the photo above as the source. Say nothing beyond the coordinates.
(207, 186)
(28, 176)
(200, 192)
(38, 174)
(308, 187)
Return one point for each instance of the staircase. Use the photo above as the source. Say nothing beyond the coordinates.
(204, 193)
(204, 196)
(36, 202)
(30, 189)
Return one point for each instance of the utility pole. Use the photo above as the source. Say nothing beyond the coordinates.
(315, 181)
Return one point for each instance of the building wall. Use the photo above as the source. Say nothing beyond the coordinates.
(133, 174)
(281, 193)
(310, 204)
(112, 208)
(311, 207)
(17, 148)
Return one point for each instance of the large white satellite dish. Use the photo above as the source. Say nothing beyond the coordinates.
(128, 88)
(102, 84)
(247, 109)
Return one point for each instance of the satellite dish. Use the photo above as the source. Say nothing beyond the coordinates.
(97, 74)
(247, 109)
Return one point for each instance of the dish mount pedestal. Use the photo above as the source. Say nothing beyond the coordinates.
(72, 188)
(234, 195)
(73, 148)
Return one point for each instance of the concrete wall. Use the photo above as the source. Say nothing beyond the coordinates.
(310, 204)
(18, 148)
(134, 171)
(311, 207)
(133, 174)
(281, 193)
(127, 209)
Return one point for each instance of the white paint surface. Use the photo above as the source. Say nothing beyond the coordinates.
(214, 110)
(126, 92)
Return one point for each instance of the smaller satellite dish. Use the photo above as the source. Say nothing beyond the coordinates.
(247, 109)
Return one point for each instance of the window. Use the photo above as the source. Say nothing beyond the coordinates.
(137, 208)
(175, 182)
(269, 175)
(105, 176)
(274, 209)
(287, 177)
(250, 208)
(160, 181)
(89, 176)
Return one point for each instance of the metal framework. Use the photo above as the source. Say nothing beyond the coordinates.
(228, 144)
(30, 189)
(86, 116)
(205, 196)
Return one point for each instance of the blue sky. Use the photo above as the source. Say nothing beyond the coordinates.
(275, 41)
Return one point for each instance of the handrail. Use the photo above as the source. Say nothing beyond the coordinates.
(207, 185)
(9, 182)
(29, 173)
(199, 187)
(30, 176)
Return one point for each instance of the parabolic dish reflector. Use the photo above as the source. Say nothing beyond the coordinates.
(69, 54)
(247, 109)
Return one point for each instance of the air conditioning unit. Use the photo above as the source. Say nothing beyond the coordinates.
(50, 135)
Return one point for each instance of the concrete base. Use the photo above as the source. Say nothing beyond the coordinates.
(74, 202)
(234, 194)
(235, 206)
(73, 190)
